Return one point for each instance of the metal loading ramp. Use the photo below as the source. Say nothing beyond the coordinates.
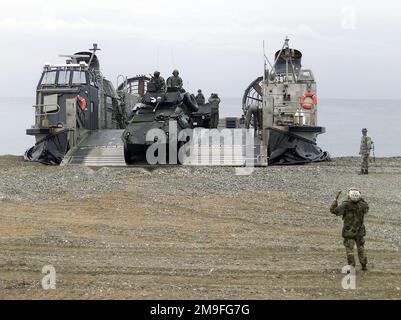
(104, 148)
(236, 154)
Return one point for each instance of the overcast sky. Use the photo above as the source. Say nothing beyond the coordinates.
(353, 47)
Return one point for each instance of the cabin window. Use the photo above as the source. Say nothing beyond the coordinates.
(306, 75)
(49, 78)
(79, 77)
(64, 77)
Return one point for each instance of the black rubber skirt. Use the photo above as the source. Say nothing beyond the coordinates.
(286, 149)
(50, 150)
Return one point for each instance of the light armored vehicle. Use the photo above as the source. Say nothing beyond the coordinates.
(155, 114)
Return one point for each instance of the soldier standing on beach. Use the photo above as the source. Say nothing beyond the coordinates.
(353, 211)
(364, 151)
(214, 102)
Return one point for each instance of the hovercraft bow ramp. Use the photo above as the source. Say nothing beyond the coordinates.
(100, 148)
(105, 148)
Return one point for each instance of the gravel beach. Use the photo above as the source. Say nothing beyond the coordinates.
(194, 232)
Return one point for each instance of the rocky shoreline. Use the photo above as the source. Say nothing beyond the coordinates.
(193, 232)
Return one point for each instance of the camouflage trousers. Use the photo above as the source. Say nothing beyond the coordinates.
(349, 244)
(252, 112)
(214, 119)
(365, 162)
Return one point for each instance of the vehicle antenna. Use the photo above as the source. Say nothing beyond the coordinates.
(265, 57)
(157, 58)
(94, 49)
(172, 58)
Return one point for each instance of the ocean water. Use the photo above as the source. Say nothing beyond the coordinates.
(16, 115)
(342, 118)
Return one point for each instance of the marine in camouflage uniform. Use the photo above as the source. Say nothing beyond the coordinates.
(214, 102)
(175, 81)
(364, 151)
(353, 212)
(156, 83)
(200, 98)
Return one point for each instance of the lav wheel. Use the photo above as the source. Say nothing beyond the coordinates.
(127, 155)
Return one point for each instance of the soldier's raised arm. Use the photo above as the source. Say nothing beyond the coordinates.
(335, 208)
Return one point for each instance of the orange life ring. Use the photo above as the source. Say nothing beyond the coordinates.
(82, 102)
(308, 106)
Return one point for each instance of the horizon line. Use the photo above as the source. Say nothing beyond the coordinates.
(239, 97)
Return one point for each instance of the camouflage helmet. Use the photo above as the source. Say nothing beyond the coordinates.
(354, 195)
(156, 73)
(364, 130)
(176, 72)
(199, 90)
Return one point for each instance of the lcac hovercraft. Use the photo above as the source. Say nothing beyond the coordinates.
(72, 100)
(282, 107)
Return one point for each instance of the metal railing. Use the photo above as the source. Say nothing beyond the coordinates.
(39, 114)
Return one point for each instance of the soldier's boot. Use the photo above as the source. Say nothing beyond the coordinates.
(364, 264)
(351, 260)
(363, 260)
(362, 172)
(366, 171)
